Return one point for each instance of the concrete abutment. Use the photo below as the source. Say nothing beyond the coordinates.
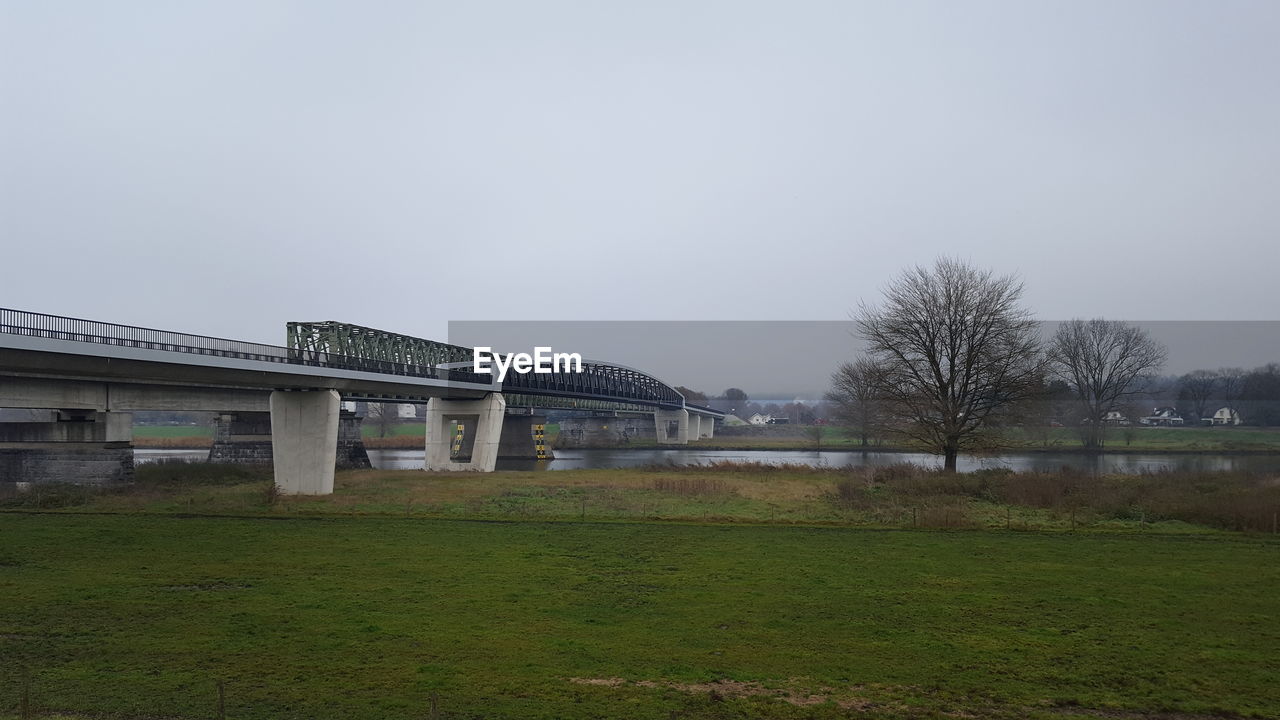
(77, 445)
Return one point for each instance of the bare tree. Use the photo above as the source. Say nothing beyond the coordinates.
(957, 352)
(387, 417)
(1231, 383)
(1105, 362)
(1198, 389)
(855, 397)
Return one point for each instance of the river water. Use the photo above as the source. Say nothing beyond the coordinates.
(602, 458)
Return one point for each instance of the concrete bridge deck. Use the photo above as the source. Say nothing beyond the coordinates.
(95, 372)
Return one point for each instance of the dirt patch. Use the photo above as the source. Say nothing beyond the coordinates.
(738, 689)
(851, 698)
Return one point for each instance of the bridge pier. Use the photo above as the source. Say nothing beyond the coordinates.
(76, 446)
(522, 440)
(707, 425)
(482, 422)
(245, 437)
(611, 431)
(304, 440)
(241, 438)
(671, 426)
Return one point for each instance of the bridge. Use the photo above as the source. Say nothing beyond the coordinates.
(96, 374)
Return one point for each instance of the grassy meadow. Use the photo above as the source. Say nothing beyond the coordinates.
(735, 591)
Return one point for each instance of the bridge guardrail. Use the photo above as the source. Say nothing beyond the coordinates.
(56, 327)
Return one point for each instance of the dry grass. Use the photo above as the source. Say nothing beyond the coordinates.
(172, 443)
(396, 442)
(893, 496)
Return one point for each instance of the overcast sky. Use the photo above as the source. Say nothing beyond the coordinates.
(224, 167)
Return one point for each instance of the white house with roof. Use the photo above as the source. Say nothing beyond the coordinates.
(1226, 416)
(1163, 417)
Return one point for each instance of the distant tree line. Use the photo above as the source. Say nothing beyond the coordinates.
(952, 357)
(1253, 394)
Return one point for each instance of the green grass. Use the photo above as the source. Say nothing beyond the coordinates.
(172, 431)
(140, 616)
(899, 496)
(370, 429)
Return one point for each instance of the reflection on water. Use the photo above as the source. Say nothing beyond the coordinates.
(601, 458)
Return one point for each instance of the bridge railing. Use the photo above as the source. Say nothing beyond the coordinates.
(55, 327)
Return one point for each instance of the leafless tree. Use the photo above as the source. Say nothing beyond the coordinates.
(386, 417)
(855, 397)
(1231, 383)
(1105, 362)
(1199, 388)
(957, 351)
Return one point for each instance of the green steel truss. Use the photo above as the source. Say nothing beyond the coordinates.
(378, 346)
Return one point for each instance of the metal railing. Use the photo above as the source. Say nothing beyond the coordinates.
(598, 383)
(55, 327)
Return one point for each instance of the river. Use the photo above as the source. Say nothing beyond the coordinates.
(602, 458)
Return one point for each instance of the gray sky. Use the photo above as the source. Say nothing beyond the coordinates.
(796, 358)
(223, 167)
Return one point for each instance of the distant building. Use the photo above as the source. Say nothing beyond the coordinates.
(1226, 416)
(1163, 417)
(1114, 417)
(758, 419)
(779, 421)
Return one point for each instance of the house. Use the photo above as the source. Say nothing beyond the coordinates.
(780, 420)
(758, 419)
(1163, 417)
(1226, 416)
(1114, 417)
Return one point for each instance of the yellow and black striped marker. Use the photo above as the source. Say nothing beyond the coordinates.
(540, 441)
(458, 432)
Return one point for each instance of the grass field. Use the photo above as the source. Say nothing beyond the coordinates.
(373, 617)
(892, 497)
(172, 431)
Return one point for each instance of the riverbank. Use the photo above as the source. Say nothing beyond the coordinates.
(1138, 440)
(893, 496)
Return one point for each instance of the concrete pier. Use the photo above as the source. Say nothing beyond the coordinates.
(242, 438)
(304, 440)
(671, 426)
(707, 427)
(605, 431)
(521, 438)
(81, 446)
(245, 437)
(481, 422)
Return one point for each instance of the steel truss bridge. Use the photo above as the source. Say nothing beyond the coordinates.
(363, 351)
(597, 386)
